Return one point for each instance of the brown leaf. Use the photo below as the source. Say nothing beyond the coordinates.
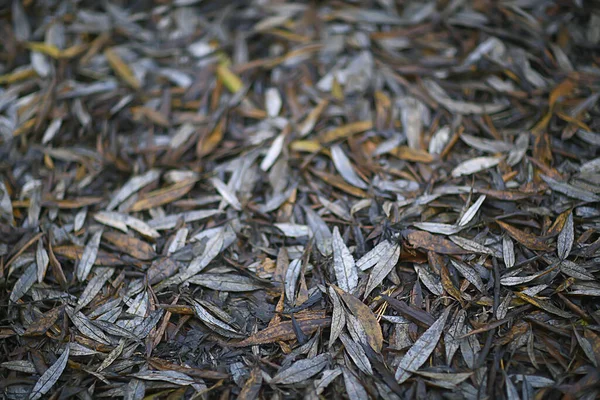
(44, 322)
(130, 245)
(339, 183)
(164, 365)
(75, 252)
(121, 69)
(163, 196)
(283, 331)
(251, 387)
(346, 131)
(365, 316)
(526, 239)
(435, 243)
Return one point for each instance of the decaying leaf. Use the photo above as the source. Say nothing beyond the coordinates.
(365, 317)
(279, 199)
(284, 331)
(343, 264)
(384, 266)
(421, 349)
(301, 370)
(50, 377)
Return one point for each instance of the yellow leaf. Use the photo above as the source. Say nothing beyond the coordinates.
(231, 81)
(44, 48)
(345, 131)
(306, 146)
(414, 155)
(17, 76)
(209, 143)
(121, 69)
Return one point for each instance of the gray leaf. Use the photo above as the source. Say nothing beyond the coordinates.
(46, 381)
(320, 230)
(423, 347)
(343, 264)
(338, 319)
(344, 167)
(301, 370)
(384, 266)
(90, 252)
(566, 238)
(354, 388)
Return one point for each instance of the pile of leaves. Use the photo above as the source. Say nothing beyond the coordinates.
(271, 199)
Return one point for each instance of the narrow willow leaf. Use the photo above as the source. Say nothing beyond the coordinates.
(24, 283)
(94, 286)
(42, 260)
(226, 193)
(206, 317)
(436, 227)
(301, 370)
(475, 165)
(273, 153)
(273, 102)
(373, 256)
(570, 190)
(90, 252)
(320, 230)
(213, 248)
(338, 319)
(354, 388)
(20, 365)
(384, 266)
(470, 274)
(421, 349)
(136, 390)
(50, 377)
(174, 377)
(566, 238)
(344, 167)
(86, 327)
(112, 356)
(291, 278)
(343, 264)
(357, 354)
(293, 230)
(471, 211)
(367, 321)
(430, 280)
(508, 252)
(132, 186)
(225, 282)
(328, 376)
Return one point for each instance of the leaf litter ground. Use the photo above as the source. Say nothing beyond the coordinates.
(271, 199)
